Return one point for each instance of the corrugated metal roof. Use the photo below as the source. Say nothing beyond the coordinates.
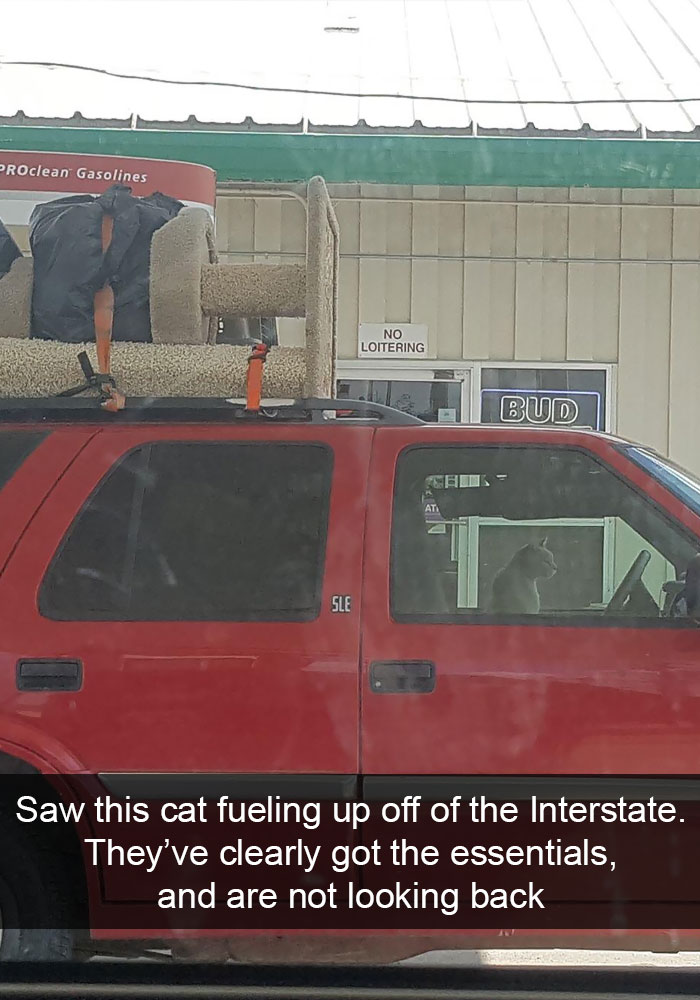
(501, 64)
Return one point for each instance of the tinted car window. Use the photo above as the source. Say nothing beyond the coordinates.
(198, 531)
(523, 531)
(15, 447)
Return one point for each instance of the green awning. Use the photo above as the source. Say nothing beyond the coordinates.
(390, 159)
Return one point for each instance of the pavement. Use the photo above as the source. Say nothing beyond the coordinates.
(552, 958)
(557, 957)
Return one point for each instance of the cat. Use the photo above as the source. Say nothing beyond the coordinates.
(514, 588)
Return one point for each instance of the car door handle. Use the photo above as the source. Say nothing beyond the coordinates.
(402, 677)
(49, 675)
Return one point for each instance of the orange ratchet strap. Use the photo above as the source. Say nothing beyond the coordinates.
(255, 374)
(113, 400)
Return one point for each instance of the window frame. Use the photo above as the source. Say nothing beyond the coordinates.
(487, 522)
(654, 465)
(430, 371)
(541, 620)
(312, 614)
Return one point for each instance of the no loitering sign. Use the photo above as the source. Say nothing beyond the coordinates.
(393, 340)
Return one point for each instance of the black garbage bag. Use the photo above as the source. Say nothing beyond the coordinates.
(70, 267)
(66, 243)
(132, 318)
(9, 251)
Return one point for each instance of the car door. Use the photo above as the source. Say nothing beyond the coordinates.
(462, 690)
(194, 575)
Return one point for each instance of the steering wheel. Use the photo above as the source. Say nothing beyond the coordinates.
(628, 582)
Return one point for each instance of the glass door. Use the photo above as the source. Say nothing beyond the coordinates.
(431, 395)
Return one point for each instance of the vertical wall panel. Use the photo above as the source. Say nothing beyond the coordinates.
(489, 285)
(267, 235)
(593, 294)
(293, 235)
(398, 242)
(684, 410)
(425, 273)
(373, 233)
(645, 302)
(348, 213)
(235, 226)
(450, 274)
(540, 286)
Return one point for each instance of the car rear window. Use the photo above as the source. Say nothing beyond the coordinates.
(15, 447)
(198, 531)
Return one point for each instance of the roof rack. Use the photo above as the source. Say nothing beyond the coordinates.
(205, 409)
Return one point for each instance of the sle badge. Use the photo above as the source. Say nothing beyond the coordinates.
(341, 604)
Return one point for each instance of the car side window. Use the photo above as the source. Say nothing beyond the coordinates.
(198, 531)
(517, 532)
(15, 447)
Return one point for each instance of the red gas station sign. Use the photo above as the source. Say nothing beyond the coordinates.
(27, 178)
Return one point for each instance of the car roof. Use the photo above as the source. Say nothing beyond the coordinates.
(531, 431)
(351, 413)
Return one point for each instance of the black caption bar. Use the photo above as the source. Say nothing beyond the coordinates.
(329, 853)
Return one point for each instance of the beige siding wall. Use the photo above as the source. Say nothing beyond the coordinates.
(519, 274)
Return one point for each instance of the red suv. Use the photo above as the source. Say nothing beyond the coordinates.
(189, 590)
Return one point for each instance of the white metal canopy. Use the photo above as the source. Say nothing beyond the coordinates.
(497, 64)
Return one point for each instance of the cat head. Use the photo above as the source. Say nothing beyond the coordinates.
(536, 561)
